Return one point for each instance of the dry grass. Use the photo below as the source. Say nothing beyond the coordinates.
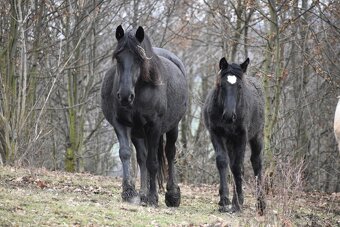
(38, 197)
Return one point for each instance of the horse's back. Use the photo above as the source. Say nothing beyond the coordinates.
(256, 106)
(170, 56)
(208, 108)
(255, 90)
(106, 95)
(176, 87)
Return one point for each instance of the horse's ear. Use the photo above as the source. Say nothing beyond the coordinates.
(119, 32)
(223, 63)
(140, 34)
(244, 65)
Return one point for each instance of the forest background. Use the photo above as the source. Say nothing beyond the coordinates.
(54, 55)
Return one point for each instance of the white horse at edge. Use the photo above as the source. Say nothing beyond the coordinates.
(337, 123)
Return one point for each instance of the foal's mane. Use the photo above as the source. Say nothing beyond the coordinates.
(148, 60)
(233, 69)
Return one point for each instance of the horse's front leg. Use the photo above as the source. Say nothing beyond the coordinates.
(173, 193)
(152, 136)
(129, 193)
(236, 155)
(222, 161)
(141, 152)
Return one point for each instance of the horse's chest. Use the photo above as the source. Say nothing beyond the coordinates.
(227, 129)
(150, 100)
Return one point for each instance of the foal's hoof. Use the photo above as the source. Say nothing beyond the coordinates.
(235, 209)
(224, 209)
(229, 209)
(173, 197)
(260, 206)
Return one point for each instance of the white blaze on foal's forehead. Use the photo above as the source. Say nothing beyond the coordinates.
(232, 79)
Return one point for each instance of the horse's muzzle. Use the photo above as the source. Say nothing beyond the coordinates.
(125, 100)
(229, 117)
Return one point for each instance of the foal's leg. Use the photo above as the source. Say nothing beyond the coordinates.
(123, 134)
(152, 136)
(236, 154)
(256, 145)
(222, 166)
(141, 152)
(173, 193)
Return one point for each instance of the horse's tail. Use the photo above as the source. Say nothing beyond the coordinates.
(161, 163)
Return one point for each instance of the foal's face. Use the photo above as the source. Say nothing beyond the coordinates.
(129, 65)
(230, 85)
(230, 90)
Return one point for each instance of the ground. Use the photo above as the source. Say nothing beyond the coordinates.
(38, 197)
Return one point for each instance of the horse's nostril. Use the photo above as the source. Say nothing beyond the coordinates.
(118, 96)
(131, 97)
(233, 117)
(223, 115)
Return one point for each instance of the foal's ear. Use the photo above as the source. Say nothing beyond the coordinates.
(119, 32)
(223, 63)
(244, 65)
(140, 34)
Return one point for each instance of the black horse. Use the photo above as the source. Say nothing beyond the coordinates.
(144, 95)
(234, 114)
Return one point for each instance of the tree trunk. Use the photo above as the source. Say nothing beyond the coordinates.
(272, 104)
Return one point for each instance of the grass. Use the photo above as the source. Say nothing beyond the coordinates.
(38, 197)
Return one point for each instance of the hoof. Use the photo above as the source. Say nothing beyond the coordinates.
(260, 206)
(152, 200)
(229, 209)
(129, 194)
(235, 209)
(224, 201)
(224, 209)
(173, 197)
(238, 201)
(143, 199)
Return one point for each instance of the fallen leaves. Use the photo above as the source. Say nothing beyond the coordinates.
(41, 184)
(30, 180)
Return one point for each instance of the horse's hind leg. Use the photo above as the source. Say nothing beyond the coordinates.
(256, 145)
(152, 137)
(173, 194)
(141, 152)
